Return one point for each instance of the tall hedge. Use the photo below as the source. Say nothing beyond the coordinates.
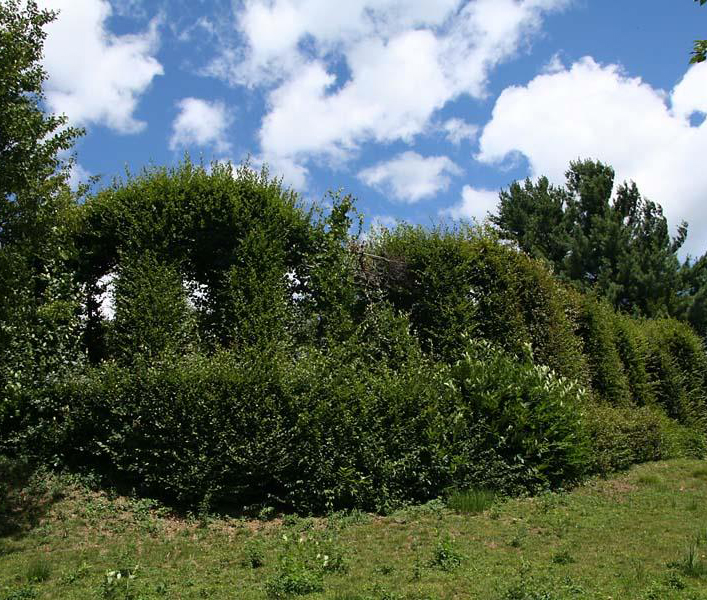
(464, 281)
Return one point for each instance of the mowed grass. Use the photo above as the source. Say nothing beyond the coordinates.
(639, 535)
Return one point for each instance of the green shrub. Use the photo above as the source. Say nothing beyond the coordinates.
(527, 413)
(152, 313)
(597, 328)
(465, 282)
(446, 556)
(368, 423)
(677, 365)
(622, 436)
(632, 346)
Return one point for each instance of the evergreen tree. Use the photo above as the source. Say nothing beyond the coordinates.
(620, 247)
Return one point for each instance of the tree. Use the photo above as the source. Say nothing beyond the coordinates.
(699, 53)
(620, 248)
(38, 296)
(31, 142)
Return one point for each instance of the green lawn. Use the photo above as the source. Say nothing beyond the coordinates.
(642, 535)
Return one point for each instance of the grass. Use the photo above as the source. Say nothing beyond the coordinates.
(641, 535)
(471, 502)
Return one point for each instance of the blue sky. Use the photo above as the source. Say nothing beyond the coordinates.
(422, 109)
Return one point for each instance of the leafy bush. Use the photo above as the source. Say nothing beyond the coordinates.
(369, 424)
(597, 328)
(632, 346)
(677, 365)
(529, 415)
(622, 436)
(457, 282)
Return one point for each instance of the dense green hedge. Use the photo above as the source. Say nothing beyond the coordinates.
(456, 282)
(317, 371)
(321, 429)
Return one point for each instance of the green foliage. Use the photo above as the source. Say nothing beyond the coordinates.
(231, 236)
(622, 436)
(461, 282)
(528, 414)
(38, 571)
(597, 328)
(362, 424)
(30, 140)
(619, 248)
(446, 556)
(472, 501)
(39, 300)
(632, 344)
(152, 312)
(678, 366)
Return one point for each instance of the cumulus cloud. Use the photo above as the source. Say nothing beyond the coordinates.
(404, 60)
(475, 205)
(201, 123)
(457, 130)
(95, 76)
(410, 177)
(597, 111)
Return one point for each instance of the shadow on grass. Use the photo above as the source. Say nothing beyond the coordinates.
(26, 494)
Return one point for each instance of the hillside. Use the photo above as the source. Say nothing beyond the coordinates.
(641, 535)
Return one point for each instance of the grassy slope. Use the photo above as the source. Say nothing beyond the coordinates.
(623, 538)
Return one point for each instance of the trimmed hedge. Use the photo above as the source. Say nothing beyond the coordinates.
(320, 430)
(465, 281)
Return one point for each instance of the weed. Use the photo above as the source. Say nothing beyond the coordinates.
(550, 501)
(116, 584)
(691, 565)
(384, 570)
(563, 558)
(293, 581)
(674, 581)
(38, 571)
(472, 501)
(291, 520)
(700, 473)
(161, 588)
(342, 519)
(521, 591)
(334, 562)
(79, 573)
(650, 480)
(5, 548)
(445, 556)
(267, 513)
(253, 555)
(517, 540)
(23, 593)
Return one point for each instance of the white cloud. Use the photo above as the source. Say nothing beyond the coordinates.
(457, 130)
(384, 222)
(405, 60)
(595, 111)
(95, 76)
(129, 8)
(273, 30)
(410, 177)
(201, 123)
(475, 204)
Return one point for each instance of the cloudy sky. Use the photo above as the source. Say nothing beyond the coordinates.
(422, 109)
